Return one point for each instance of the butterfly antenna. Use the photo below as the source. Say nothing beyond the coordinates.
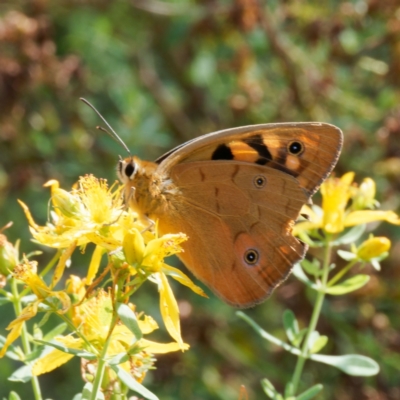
(113, 134)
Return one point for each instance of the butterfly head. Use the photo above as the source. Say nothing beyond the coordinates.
(127, 169)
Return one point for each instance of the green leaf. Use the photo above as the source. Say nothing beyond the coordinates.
(301, 276)
(375, 263)
(268, 388)
(14, 396)
(58, 330)
(267, 335)
(310, 393)
(319, 344)
(290, 324)
(35, 354)
(87, 393)
(349, 285)
(312, 267)
(351, 236)
(133, 384)
(12, 351)
(351, 364)
(4, 300)
(346, 255)
(78, 396)
(68, 350)
(23, 374)
(119, 358)
(128, 317)
(270, 391)
(299, 337)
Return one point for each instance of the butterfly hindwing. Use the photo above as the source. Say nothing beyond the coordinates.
(238, 218)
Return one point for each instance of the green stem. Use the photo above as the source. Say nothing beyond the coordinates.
(314, 318)
(342, 272)
(101, 362)
(24, 336)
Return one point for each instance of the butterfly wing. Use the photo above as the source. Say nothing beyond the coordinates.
(307, 151)
(239, 218)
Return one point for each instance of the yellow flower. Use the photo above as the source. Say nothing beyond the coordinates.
(26, 273)
(94, 318)
(147, 259)
(86, 214)
(336, 215)
(373, 248)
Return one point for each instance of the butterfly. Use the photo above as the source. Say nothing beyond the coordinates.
(236, 194)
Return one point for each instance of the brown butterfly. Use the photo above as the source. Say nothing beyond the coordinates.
(236, 193)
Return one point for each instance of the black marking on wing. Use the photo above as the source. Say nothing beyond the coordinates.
(257, 143)
(222, 152)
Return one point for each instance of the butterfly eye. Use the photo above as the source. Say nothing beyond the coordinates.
(251, 257)
(130, 170)
(260, 181)
(295, 148)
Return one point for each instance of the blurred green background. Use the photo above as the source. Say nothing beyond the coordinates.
(162, 72)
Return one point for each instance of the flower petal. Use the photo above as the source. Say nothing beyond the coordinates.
(179, 276)
(161, 348)
(169, 309)
(59, 270)
(50, 362)
(364, 217)
(94, 264)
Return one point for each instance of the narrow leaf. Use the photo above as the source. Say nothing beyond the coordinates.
(268, 388)
(12, 351)
(14, 396)
(128, 317)
(319, 344)
(351, 236)
(4, 300)
(290, 324)
(312, 267)
(133, 384)
(299, 337)
(58, 330)
(68, 350)
(23, 374)
(87, 391)
(349, 285)
(310, 393)
(301, 276)
(119, 358)
(351, 364)
(346, 255)
(267, 335)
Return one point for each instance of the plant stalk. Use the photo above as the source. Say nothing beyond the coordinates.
(314, 319)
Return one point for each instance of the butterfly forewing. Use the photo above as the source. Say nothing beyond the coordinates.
(307, 151)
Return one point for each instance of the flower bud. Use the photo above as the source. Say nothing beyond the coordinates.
(364, 196)
(8, 256)
(373, 248)
(134, 247)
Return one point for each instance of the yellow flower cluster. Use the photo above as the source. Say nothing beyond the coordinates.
(338, 213)
(93, 213)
